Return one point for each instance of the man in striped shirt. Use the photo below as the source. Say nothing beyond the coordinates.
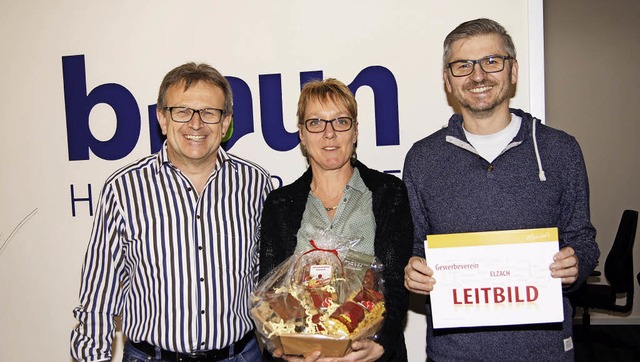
(174, 246)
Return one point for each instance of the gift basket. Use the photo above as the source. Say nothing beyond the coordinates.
(320, 299)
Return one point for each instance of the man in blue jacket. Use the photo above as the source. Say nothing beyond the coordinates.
(496, 168)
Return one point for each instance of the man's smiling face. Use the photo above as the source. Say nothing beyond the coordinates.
(481, 92)
(193, 144)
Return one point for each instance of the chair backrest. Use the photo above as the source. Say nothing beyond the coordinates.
(618, 268)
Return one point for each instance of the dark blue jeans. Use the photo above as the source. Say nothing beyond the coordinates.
(251, 353)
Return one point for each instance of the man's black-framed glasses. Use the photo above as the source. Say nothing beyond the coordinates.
(317, 125)
(184, 114)
(490, 64)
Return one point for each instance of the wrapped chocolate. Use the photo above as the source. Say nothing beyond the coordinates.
(320, 299)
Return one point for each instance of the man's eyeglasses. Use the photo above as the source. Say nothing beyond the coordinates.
(184, 114)
(317, 125)
(490, 64)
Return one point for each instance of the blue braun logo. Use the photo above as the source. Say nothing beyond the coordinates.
(79, 103)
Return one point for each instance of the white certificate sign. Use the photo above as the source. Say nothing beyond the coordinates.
(494, 278)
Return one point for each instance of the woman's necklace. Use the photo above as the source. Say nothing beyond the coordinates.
(318, 192)
(330, 208)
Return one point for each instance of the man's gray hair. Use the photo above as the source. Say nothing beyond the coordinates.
(476, 27)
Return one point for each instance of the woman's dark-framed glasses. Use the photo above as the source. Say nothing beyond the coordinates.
(184, 114)
(317, 125)
(490, 64)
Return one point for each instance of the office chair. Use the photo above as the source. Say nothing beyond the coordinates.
(618, 270)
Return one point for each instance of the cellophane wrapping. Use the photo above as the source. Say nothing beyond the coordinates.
(320, 299)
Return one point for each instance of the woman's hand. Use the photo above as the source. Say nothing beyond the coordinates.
(313, 357)
(363, 350)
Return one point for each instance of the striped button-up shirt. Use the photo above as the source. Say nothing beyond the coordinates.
(176, 265)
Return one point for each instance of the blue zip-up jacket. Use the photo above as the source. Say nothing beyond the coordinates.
(539, 180)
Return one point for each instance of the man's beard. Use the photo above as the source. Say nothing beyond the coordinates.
(483, 109)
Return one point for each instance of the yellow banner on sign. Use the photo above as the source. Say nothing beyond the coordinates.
(493, 238)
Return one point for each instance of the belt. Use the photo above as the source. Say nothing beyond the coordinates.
(198, 356)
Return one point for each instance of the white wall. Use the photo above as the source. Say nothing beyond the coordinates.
(133, 44)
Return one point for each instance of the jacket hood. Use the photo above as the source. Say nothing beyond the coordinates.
(456, 136)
